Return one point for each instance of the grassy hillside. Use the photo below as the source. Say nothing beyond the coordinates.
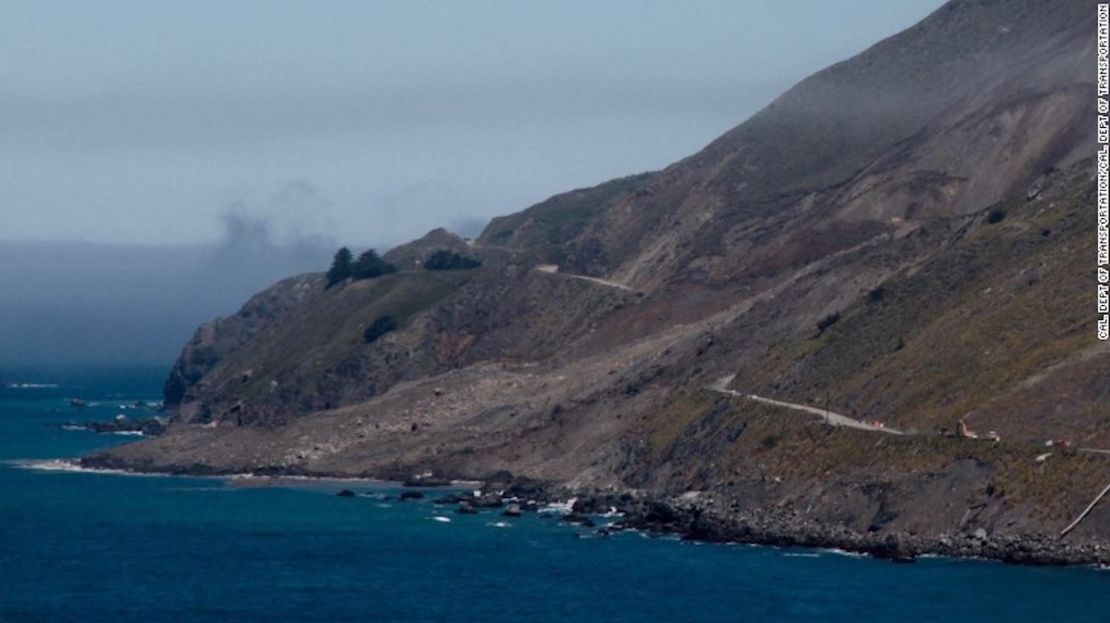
(957, 333)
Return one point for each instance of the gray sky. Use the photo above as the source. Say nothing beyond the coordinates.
(364, 121)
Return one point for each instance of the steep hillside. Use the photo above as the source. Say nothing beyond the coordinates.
(960, 111)
(903, 237)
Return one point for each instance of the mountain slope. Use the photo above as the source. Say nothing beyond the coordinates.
(901, 237)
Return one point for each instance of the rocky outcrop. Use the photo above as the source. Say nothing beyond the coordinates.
(149, 426)
(216, 340)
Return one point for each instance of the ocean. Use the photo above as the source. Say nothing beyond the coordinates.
(101, 547)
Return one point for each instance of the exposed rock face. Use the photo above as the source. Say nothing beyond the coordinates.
(218, 339)
(902, 237)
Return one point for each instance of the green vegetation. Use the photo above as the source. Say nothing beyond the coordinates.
(367, 266)
(677, 415)
(769, 441)
(449, 260)
(827, 322)
(370, 265)
(306, 343)
(340, 267)
(378, 328)
(559, 219)
(1010, 295)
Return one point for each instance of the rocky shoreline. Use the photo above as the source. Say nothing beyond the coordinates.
(149, 427)
(781, 527)
(697, 521)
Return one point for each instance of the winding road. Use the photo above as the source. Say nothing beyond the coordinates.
(830, 417)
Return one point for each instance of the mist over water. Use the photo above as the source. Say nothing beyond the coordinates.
(291, 129)
(98, 303)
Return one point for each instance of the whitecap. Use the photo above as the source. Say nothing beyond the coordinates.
(441, 519)
(70, 466)
(843, 552)
(500, 524)
(559, 507)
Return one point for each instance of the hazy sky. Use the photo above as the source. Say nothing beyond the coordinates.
(364, 121)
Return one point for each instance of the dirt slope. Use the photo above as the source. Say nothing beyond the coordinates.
(905, 237)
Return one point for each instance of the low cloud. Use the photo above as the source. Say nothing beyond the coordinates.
(283, 228)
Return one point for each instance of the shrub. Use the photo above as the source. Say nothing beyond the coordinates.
(876, 294)
(378, 328)
(996, 216)
(449, 260)
(340, 267)
(370, 265)
(827, 322)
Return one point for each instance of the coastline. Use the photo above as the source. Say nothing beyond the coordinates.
(78, 466)
(690, 520)
(785, 528)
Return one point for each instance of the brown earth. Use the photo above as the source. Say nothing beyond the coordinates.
(906, 236)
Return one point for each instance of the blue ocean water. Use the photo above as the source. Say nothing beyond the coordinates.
(96, 547)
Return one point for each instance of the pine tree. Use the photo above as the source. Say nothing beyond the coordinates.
(340, 267)
(378, 328)
(448, 260)
(370, 265)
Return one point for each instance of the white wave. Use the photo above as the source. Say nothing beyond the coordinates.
(129, 433)
(802, 555)
(297, 478)
(70, 466)
(32, 385)
(500, 524)
(844, 552)
(559, 507)
(441, 519)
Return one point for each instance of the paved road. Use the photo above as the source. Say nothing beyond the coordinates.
(552, 269)
(1094, 450)
(835, 419)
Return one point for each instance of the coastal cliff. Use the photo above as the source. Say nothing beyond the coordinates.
(806, 319)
